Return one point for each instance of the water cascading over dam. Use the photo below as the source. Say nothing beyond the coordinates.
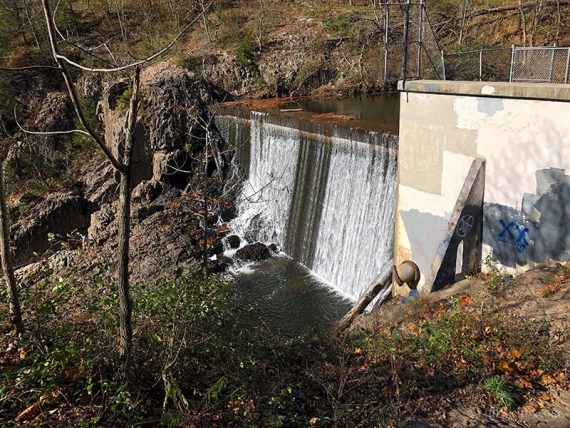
(327, 198)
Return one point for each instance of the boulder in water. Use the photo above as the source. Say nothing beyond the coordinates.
(234, 241)
(253, 252)
(256, 224)
(228, 213)
(274, 248)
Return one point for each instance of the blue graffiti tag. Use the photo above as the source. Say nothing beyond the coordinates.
(521, 241)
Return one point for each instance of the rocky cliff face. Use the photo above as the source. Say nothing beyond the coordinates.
(167, 234)
(165, 140)
(49, 224)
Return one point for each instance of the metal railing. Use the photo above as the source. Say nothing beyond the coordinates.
(545, 64)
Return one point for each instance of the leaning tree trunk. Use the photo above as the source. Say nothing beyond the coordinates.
(7, 266)
(125, 303)
(124, 233)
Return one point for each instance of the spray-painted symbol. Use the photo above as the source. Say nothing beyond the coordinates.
(465, 225)
(521, 241)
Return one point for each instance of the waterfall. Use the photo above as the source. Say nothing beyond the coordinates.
(326, 199)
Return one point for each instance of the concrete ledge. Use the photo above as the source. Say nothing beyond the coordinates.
(538, 91)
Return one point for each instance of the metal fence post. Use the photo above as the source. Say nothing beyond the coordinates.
(481, 65)
(406, 35)
(443, 65)
(551, 65)
(567, 66)
(512, 63)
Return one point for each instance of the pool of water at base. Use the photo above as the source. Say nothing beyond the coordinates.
(285, 298)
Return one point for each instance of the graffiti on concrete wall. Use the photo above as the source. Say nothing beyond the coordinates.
(514, 234)
(465, 225)
(537, 232)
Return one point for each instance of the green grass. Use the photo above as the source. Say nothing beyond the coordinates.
(500, 390)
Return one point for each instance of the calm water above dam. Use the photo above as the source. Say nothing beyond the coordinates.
(325, 194)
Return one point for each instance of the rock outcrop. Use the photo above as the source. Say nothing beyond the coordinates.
(167, 135)
(58, 215)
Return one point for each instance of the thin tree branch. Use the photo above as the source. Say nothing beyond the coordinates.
(87, 51)
(73, 92)
(5, 129)
(67, 132)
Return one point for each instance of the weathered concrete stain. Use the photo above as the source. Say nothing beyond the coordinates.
(490, 106)
(430, 126)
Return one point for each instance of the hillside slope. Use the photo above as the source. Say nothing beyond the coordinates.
(274, 48)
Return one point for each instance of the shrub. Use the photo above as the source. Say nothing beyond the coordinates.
(124, 99)
(246, 51)
(343, 26)
(190, 62)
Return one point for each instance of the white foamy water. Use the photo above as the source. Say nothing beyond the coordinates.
(327, 202)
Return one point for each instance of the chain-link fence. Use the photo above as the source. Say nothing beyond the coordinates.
(515, 64)
(411, 51)
(485, 64)
(541, 65)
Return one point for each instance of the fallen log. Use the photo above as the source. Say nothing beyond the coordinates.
(381, 284)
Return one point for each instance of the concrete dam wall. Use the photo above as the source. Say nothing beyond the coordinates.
(511, 143)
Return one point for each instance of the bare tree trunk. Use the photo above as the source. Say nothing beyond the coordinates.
(123, 286)
(522, 23)
(558, 21)
(124, 234)
(7, 266)
(205, 21)
(174, 12)
(260, 24)
(535, 20)
(205, 218)
(120, 16)
(123, 166)
(205, 249)
(31, 23)
(463, 21)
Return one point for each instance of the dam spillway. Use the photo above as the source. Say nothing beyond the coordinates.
(325, 194)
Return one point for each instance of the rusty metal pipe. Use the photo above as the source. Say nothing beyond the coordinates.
(407, 273)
